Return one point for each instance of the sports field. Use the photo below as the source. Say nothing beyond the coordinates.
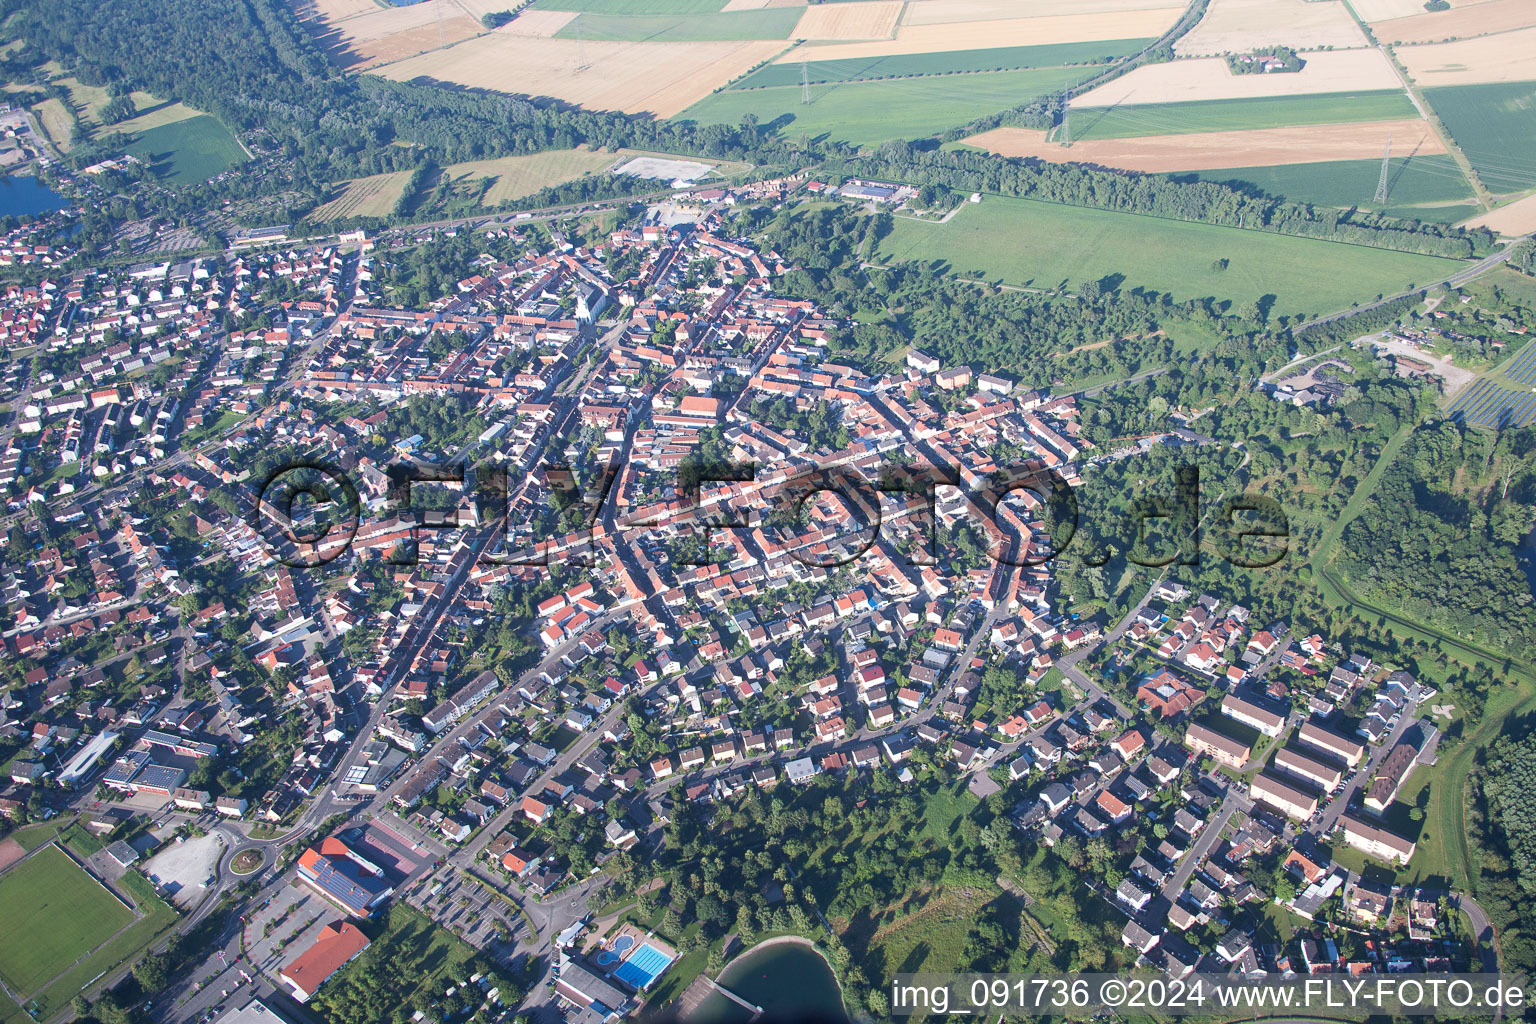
(1024, 242)
(1495, 126)
(1002, 58)
(54, 914)
(189, 151)
(872, 112)
(772, 23)
(1133, 120)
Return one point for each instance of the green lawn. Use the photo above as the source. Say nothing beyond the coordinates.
(1002, 58)
(868, 113)
(769, 23)
(1421, 179)
(1024, 242)
(190, 151)
(54, 914)
(1231, 115)
(1495, 126)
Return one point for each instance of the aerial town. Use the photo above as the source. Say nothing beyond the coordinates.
(652, 562)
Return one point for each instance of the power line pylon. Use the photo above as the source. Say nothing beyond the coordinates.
(805, 84)
(1066, 117)
(1386, 170)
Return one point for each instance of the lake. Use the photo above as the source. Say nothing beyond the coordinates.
(24, 194)
(790, 981)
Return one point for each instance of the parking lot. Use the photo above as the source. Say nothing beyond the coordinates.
(280, 930)
(469, 910)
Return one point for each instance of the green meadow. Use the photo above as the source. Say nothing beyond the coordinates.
(1045, 245)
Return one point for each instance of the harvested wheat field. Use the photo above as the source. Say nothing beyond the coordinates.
(982, 35)
(659, 78)
(364, 197)
(1518, 218)
(332, 11)
(1458, 23)
(387, 34)
(943, 12)
(875, 19)
(1507, 57)
(1236, 26)
(1260, 147)
(537, 24)
(1209, 79)
(1372, 11)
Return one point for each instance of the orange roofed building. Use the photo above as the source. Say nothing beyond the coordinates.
(338, 943)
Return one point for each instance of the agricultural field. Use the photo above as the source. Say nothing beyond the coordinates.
(517, 176)
(1133, 120)
(1234, 26)
(361, 37)
(1518, 218)
(772, 23)
(636, 7)
(1495, 126)
(1425, 187)
(539, 24)
(1374, 11)
(1002, 58)
(1458, 23)
(860, 19)
(1332, 71)
(188, 151)
(660, 78)
(944, 36)
(55, 913)
(1255, 147)
(374, 196)
(867, 113)
(1075, 246)
(1506, 57)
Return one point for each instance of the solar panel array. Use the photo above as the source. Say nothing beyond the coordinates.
(1488, 405)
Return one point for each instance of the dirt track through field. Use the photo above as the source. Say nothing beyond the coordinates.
(1261, 147)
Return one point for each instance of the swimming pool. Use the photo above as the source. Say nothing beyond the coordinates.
(643, 967)
(619, 947)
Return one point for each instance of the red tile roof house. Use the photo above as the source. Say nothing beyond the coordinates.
(338, 944)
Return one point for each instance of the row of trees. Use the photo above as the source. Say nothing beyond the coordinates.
(1159, 196)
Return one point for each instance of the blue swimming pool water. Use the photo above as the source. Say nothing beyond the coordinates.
(643, 967)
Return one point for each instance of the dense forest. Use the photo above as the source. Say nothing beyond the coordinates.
(1503, 823)
(1438, 537)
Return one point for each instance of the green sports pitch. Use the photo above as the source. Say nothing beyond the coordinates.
(54, 913)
